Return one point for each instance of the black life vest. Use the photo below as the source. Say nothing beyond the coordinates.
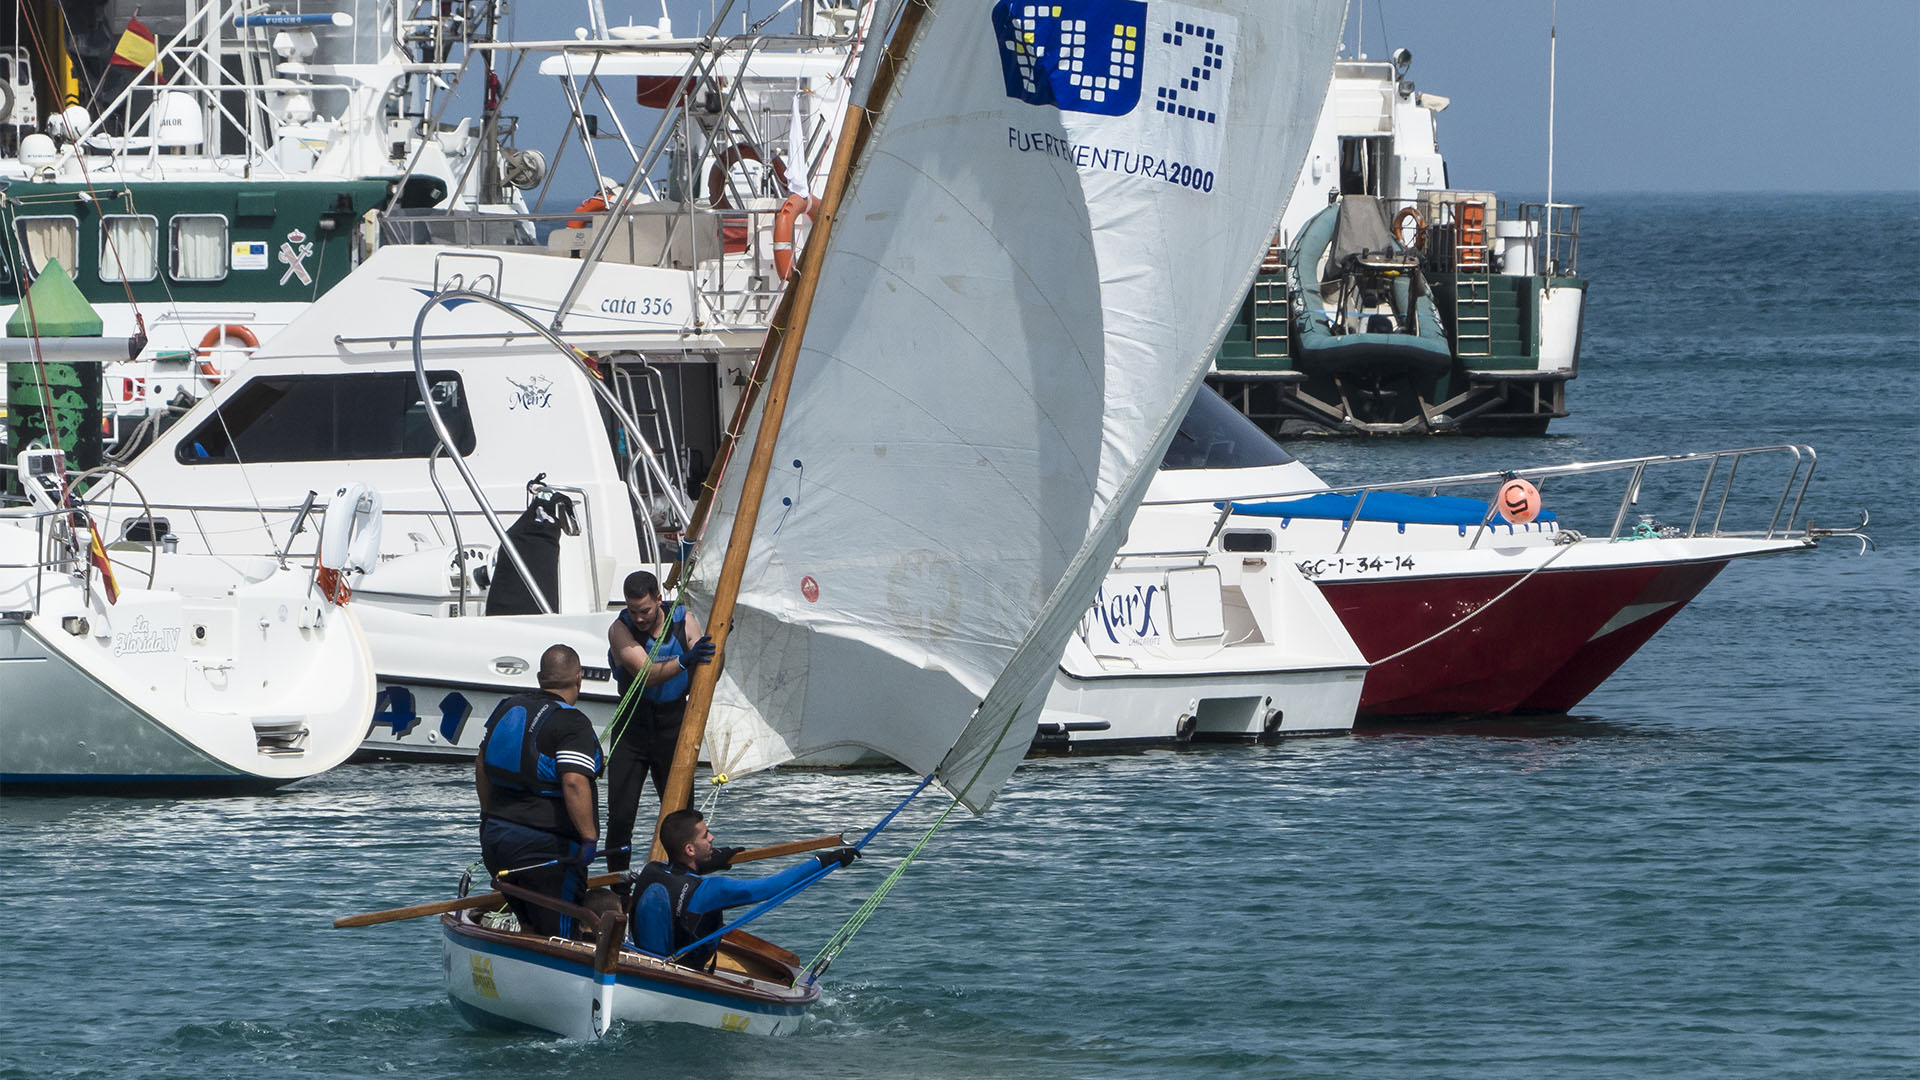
(688, 927)
(511, 754)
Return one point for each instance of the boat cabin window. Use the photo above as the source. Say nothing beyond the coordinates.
(129, 247)
(375, 415)
(199, 247)
(44, 238)
(1215, 436)
(1244, 540)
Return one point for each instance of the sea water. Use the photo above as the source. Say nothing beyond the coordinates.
(1712, 869)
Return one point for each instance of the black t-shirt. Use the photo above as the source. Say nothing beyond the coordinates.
(566, 737)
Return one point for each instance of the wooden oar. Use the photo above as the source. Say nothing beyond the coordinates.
(490, 899)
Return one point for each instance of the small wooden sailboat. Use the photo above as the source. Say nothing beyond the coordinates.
(962, 439)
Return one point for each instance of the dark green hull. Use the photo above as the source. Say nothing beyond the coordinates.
(288, 241)
(1496, 381)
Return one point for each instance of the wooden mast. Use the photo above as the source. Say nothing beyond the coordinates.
(784, 340)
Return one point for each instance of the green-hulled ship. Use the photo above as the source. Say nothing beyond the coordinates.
(1503, 278)
(203, 174)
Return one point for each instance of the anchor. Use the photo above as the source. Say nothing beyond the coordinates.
(1856, 531)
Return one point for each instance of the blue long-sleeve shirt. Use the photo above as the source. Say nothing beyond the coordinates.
(653, 913)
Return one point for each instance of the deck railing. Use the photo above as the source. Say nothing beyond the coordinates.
(1714, 492)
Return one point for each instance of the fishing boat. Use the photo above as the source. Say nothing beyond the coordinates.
(1503, 277)
(132, 667)
(933, 639)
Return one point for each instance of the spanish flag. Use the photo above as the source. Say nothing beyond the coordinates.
(97, 555)
(137, 48)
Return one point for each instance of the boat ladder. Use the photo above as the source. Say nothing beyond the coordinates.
(1472, 282)
(1271, 319)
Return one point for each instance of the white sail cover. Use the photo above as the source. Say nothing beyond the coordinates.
(1033, 263)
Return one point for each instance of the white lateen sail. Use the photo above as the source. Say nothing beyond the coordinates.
(1033, 261)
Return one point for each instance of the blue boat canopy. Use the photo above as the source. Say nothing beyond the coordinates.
(1391, 506)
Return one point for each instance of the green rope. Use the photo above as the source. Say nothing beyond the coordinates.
(842, 937)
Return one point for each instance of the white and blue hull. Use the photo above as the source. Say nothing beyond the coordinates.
(497, 982)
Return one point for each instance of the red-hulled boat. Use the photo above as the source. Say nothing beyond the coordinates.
(1458, 609)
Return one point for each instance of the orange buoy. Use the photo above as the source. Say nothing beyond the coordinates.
(1519, 501)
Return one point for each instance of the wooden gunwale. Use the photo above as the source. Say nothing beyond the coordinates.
(655, 969)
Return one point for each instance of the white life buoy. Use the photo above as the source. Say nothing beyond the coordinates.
(349, 538)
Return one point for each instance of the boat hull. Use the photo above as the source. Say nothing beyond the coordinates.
(517, 981)
(63, 728)
(1539, 644)
(225, 684)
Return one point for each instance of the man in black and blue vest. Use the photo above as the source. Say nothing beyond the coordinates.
(539, 810)
(679, 904)
(666, 647)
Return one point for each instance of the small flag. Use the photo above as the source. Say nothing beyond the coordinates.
(137, 49)
(97, 555)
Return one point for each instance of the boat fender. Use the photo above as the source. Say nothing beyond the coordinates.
(217, 338)
(349, 538)
(1519, 502)
(1406, 214)
(791, 211)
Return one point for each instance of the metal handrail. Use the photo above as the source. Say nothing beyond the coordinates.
(1795, 487)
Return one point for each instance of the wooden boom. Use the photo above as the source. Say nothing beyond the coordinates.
(492, 899)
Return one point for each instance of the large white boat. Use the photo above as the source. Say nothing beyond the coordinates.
(133, 667)
(673, 328)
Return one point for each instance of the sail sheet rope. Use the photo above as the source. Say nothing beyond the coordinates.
(796, 889)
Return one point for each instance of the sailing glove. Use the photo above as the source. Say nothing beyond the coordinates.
(701, 652)
(721, 858)
(589, 851)
(838, 856)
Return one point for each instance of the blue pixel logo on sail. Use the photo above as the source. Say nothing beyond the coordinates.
(1090, 56)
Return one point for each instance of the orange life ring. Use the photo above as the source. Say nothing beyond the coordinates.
(783, 227)
(1406, 214)
(217, 337)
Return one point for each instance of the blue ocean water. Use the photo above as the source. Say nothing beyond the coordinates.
(1711, 870)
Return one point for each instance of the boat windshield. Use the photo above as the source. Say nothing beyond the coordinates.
(1216, 436)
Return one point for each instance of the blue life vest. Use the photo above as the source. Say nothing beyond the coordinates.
(674, 648)
(513, 760)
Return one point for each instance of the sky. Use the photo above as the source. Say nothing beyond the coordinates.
(1652, 95)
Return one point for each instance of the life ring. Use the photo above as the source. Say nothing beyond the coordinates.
(216, 338)
(349, 539)
(784, 222)
(1406, 214)
(724, 162)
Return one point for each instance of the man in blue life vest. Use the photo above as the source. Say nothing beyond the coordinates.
(677, 904)
(539, 811)
(644, 732)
